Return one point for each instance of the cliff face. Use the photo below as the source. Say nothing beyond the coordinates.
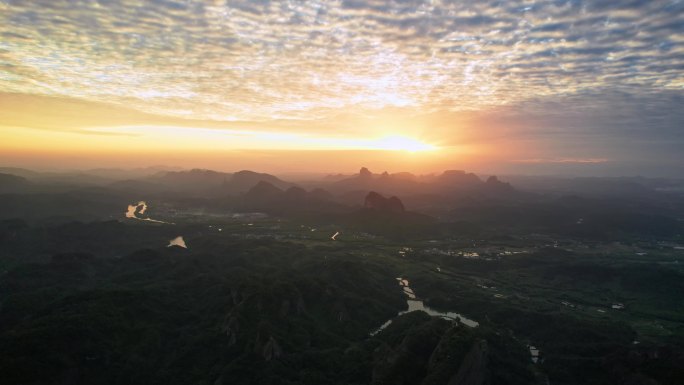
(433, 351)
(473, 369)
(365, 173)
(378, 202)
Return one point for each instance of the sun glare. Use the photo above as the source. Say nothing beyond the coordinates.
(174, 137)
(402, 143)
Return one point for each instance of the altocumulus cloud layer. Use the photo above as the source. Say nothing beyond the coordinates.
(592, 66)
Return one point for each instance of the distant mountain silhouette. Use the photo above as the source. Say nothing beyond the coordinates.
(217, 182)
(459, 178)
(404, 176)
(386, 216)
(384, 183)
(21, 172)
(376, 201)
(264, 196)
(13, 183)
(494, 185)
(245, 179)
(320, 195)
(264, 192)
(194, 178)
(295, 194)
(407, 184)
(365, 174)
(63, 178)
(137, 186)
(9, 179)
(335, 177)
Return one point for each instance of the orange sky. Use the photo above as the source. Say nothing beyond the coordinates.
(589, 87)
(71, 133)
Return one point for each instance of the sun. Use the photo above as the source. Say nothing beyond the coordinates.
(402, 143)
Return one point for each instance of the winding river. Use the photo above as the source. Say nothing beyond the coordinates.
(415, 304)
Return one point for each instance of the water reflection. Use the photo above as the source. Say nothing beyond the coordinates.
(416, 304)
(138, 209)
(178, 241)
(534, 352)
(132, 209)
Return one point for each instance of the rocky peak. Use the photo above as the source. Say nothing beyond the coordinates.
(459, 177)
(494, 184)
(378, 202)
(365, 173)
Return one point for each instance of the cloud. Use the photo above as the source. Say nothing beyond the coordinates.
(589, 79)
(256, 60)
(71, 114)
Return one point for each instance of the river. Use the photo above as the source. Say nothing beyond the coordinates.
(414, 304)
(138, 209)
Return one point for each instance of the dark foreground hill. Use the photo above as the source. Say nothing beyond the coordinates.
(252, 312)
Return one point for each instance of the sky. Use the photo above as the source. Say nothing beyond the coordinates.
(585, 87)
